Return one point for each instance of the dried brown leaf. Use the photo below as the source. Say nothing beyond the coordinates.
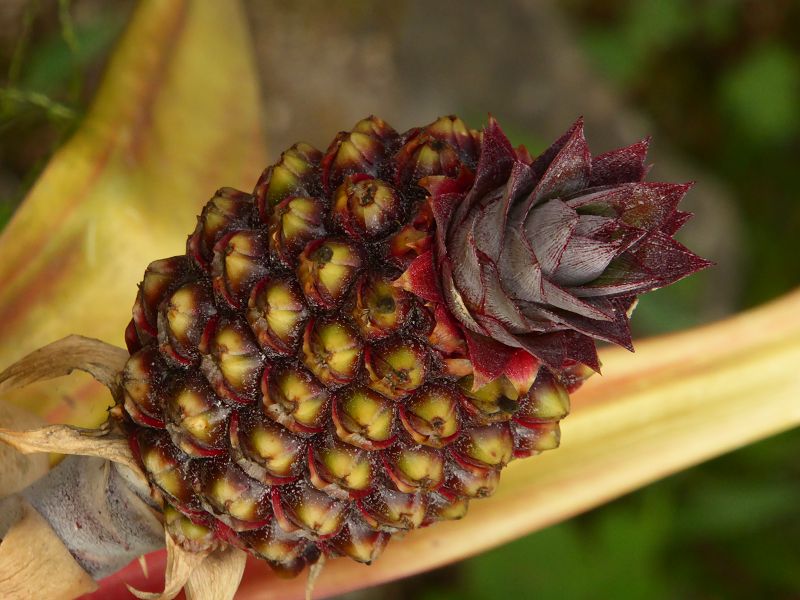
(180, 566)
(101, 360)
(142, 560)
(18, 470)
(35, 564)
(65, 439)
(218, 576)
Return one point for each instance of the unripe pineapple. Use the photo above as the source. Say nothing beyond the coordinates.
(359, 347)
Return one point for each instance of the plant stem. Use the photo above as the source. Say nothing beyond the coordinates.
(99, 510)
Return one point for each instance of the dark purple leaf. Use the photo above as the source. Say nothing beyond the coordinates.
(443, 207)
(496, 330)
(462, 251)
(489, 357)
(548, 230)
(523, 280)
(540, 164)
(667, 259)
(675, 222)
(494, 166)
(624, 275)
(585, 258)
(615, 329)
(554, 349)
(453, 299)
(657, 262)
(642, 205)
(622, 165)
(495, 221)
(498, 305)
(569, 171)
(489, 224)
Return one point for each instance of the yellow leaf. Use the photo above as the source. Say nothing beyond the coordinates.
(176, 117)
(31, 554)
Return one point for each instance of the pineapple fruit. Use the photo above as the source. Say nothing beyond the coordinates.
(359, 346)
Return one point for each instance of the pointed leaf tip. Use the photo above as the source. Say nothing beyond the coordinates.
(565, 167)
(421, 278)
(496, 157)
(623, 165)
(489, 358)
(521, 371)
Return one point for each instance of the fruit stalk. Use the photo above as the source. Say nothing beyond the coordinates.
(101, 511)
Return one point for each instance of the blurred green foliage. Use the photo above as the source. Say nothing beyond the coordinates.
(761, 95)
(49, 77)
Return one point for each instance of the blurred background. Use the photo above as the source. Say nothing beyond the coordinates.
(717, 84)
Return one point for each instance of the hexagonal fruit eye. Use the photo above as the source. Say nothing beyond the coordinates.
(332, 351)
(413, 467)
(496, 401)
(285, 551)
(340, 469)
(547, 400)
(380, 308)
(294, 398)
(359, 541)
(390, 510)
(366, 208)
(232, 361)
(196, 419)
(293, 175)
(431, 415)
(182, 319)
(265, 450)
(303, 505)
(396, 367)
(326, 268)
(239, 261)
(293, 223)
(277, 314)
(486, 447)
(363, 418)
(237, 500)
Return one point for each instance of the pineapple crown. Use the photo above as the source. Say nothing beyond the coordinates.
(533, 260)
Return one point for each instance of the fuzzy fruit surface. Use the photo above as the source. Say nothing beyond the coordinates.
(360, 345)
